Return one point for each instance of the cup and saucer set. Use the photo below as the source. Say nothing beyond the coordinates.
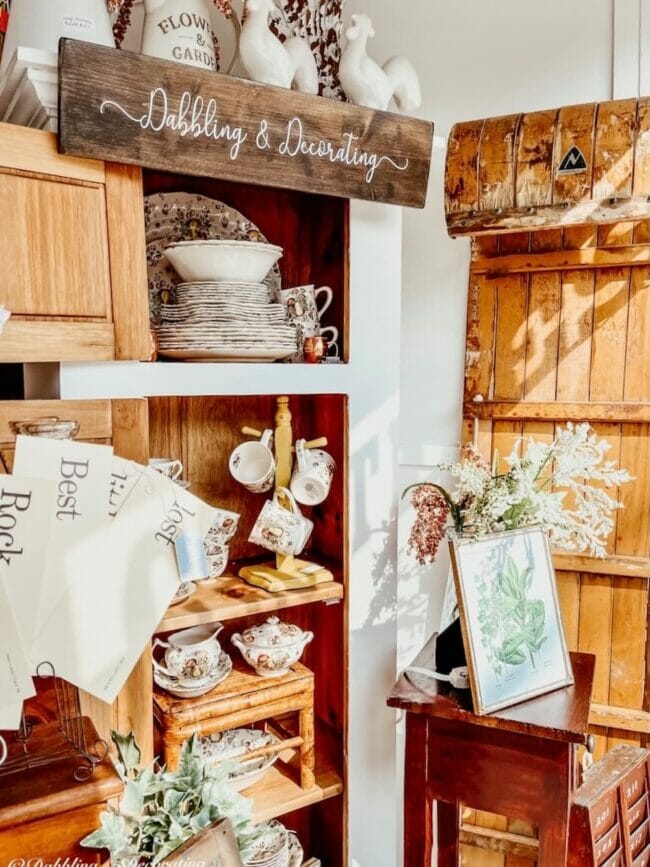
(193, 662)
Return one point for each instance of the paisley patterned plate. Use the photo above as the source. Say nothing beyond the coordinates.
(173, 217)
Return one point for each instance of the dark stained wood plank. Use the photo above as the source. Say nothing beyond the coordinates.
(562, 715)
(126, 107)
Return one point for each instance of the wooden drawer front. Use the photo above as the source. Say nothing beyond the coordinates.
(617, 860)
(603, 814)
(640, 838)
(637, 813)
(607, 844)
(643, 859)
(635, 784)
(53, 238)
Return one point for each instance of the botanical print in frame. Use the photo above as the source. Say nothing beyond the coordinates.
(510, 618)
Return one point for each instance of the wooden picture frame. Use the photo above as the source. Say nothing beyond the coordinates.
(216, 845)
(510, 617)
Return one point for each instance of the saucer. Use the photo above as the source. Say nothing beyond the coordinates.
(182, 689)
(185, 590)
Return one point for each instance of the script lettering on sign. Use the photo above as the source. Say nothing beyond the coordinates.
(198, 118)
(124, 107)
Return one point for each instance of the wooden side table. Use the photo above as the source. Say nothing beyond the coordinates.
(518, 762)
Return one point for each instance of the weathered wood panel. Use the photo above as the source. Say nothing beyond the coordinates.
(562, 333)
(570, 166)
(124, 107)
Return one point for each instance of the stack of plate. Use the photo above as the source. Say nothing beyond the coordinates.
(29, 89)
(224, 321)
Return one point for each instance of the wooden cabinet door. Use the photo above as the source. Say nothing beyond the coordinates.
(73, 252)
(125, 424)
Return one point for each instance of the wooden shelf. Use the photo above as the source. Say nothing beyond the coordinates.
(230, 597)
(277, 794)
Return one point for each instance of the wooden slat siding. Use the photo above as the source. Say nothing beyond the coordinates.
(479, 353)
(461, 173)
(544, 292)
(534, 184)
(128, 264)
(594, 636)
(614, 149)
(641, 179)
(614, 411)
(510, 337)
(626, 567)
(576, 326)
(634, 255)
(496, 168)
(568, 585)
(575, 127)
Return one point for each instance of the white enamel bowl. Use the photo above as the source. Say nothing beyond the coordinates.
(223, 261)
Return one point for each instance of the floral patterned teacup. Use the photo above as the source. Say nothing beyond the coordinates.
(252, 464)
(301, 305)
(285, 531)
(167, 466)
(312, 476)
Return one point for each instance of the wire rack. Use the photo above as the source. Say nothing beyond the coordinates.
(65, 740)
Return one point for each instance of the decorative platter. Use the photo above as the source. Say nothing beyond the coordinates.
(173, 217)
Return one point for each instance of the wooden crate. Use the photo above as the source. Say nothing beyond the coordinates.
(558, 330)
(74, 270)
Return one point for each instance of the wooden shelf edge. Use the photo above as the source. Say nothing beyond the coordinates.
(277, 794)
(524, 410)
(44, 340)
(499, 841)
(611, 564)
(630, 256)
(229, 598)
(621, 718)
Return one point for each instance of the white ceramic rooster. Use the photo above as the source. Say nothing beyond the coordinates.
(269, 61)
(367, 83)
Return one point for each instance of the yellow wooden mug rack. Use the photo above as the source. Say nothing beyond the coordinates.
(288, 572)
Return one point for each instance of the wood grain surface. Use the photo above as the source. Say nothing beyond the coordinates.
(126, 107)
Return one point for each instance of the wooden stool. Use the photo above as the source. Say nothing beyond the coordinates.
(44, 813)
(518, 762)
(242, 699)
(610, 825)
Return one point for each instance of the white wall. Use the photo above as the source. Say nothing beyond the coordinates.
(476, 58)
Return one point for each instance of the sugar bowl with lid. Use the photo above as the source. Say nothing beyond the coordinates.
(272, 647)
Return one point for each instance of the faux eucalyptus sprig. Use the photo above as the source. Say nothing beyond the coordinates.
(160, 809)
(560, 486)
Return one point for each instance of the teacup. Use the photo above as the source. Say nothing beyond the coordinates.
(312, 476)
(217, 555)
(301, 305)
(167, 466)
(223, 527)
(285, 531)
(316, 349)
(252, 464)
(191, 654)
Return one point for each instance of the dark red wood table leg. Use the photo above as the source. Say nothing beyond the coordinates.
(447, 834)
(418, 805)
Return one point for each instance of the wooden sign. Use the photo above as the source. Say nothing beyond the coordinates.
(129, 108)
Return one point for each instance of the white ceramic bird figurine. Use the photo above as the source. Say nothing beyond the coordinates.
(269, 61)
(366, 83)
